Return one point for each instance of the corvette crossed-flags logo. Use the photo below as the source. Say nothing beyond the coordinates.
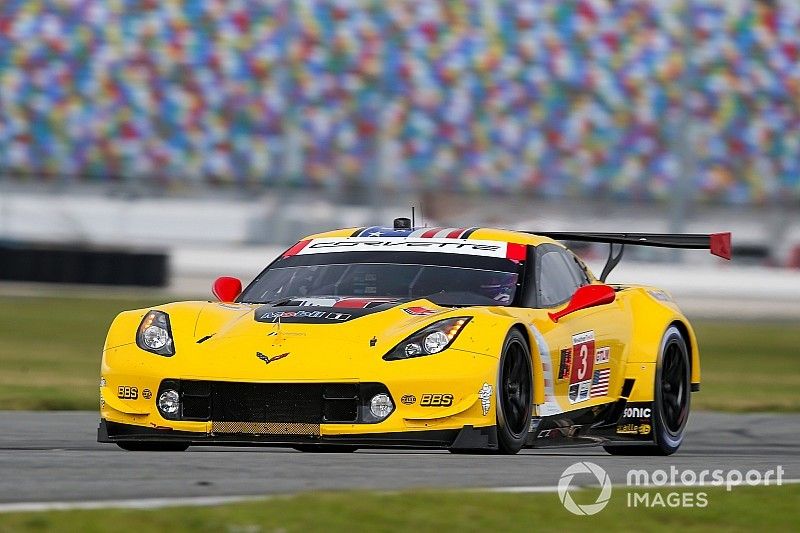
(267, 359)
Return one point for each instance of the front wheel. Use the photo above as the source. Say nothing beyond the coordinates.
(672, 399)
(514, 394)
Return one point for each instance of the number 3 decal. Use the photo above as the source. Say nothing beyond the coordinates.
(584, 355)
(582, 364)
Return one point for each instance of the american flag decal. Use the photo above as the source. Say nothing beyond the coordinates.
(600, 382)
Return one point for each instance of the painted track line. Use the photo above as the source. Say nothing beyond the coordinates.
(144, 503)
(202, 501)
(525, 489)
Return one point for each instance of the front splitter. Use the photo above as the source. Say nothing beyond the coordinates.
(465, 438)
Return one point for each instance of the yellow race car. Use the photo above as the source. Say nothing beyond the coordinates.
(467, 339)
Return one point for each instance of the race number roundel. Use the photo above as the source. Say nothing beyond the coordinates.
(582, 357)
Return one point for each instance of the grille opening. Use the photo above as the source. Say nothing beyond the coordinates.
(333, 391)
(341, 411)
(196, 388)
(196, 408)
(266, 403)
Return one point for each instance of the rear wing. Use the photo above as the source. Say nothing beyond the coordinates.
(718, 244)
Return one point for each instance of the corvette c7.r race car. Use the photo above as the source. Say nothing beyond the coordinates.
(463, 339)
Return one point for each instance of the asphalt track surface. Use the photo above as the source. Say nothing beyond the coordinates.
(48, 457)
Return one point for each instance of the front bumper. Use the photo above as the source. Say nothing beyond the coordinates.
(467, 437)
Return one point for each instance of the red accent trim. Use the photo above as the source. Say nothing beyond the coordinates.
(721, 245)
(455, 234)
(294, 250)
(516, 252)
(227, 289)
(419, 311)
(584, 298)
(430, 233)
(360, 303)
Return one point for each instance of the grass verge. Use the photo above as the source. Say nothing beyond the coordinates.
(748, 366)
(50, 350)
(50, 357)
(743, 509)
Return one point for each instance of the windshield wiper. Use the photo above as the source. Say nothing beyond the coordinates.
(467, 298)
(280, 301)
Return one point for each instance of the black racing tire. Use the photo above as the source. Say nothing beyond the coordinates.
(149, 446)
(514, 394)
(325, 448)
(672, 399)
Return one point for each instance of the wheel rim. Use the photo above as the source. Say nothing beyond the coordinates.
(674, 393)
(516, 390)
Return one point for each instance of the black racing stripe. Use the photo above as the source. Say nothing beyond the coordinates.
(356, 232)
(469, 232)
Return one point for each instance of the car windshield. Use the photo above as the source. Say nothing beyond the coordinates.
(442, 284)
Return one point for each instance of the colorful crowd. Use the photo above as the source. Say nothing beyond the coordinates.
(635, 99)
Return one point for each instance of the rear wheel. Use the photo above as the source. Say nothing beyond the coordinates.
(514, 394)
(672, 399)
(325, 448)
(145, 446)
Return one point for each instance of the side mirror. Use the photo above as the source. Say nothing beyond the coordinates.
(586, 297)
(226, 289)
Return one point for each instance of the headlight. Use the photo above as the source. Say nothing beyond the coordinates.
(433, 339)
(155, 334)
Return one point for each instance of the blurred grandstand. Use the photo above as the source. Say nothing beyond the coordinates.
(266, 116)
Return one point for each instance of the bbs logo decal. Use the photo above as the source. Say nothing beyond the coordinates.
(127, 393)
(436, 400)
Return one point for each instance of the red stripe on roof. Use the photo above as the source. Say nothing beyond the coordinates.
(430, 233)
(294, 250)
(456, 233)
(516, 252)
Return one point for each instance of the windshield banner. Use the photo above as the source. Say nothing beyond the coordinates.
(450, 246)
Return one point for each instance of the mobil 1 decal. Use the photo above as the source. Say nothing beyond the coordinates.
(580, 379)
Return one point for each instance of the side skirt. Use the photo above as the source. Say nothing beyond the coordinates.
(614, 422)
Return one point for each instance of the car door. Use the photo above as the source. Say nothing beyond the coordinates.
(586, 347)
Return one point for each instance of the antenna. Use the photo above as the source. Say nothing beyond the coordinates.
(413, 218)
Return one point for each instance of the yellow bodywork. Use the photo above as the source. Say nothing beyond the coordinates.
(631, 327)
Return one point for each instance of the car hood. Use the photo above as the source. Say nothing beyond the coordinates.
(307, 341)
